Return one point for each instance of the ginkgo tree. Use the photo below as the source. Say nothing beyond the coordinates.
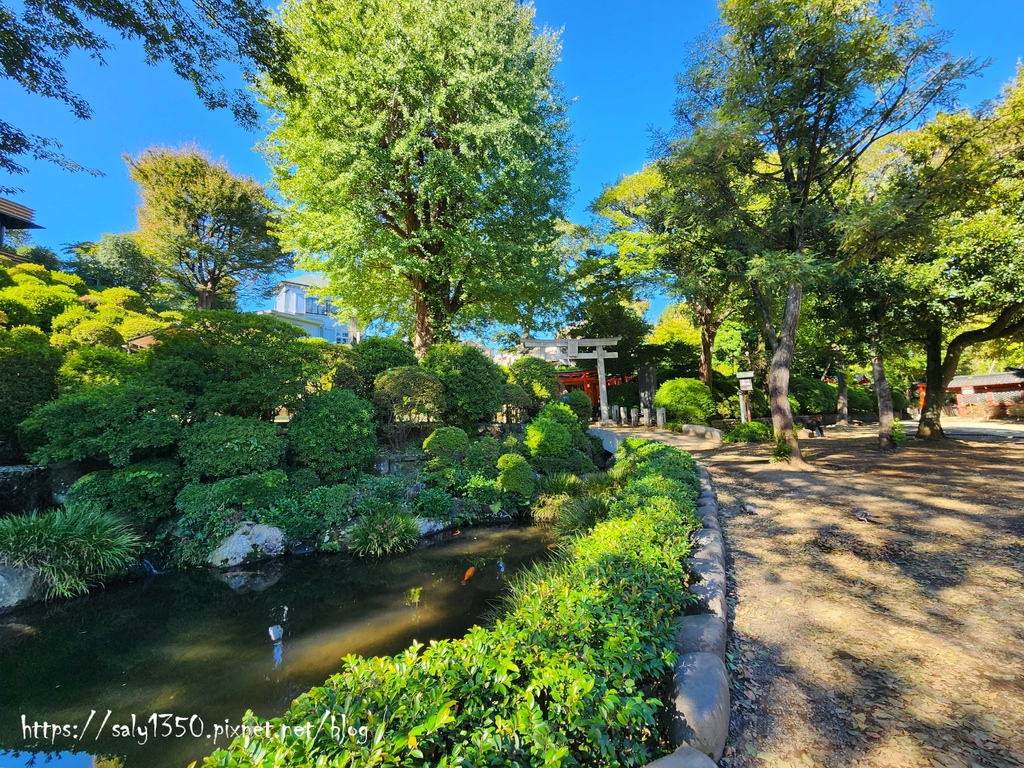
(424, 163)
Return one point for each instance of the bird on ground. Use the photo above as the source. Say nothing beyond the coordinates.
(864, 516)
(748, 509)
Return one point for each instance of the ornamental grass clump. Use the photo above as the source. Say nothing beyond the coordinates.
(384, 530)
(570, 676)
(73, 548)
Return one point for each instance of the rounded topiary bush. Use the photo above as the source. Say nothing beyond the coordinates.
(333, 434)
(434, 503)
(688, 401)
(750, 432)
(473, 386)
(447, 444)
(142, 493)
(377, 355)
(546, 437)
(515, 475)
(226, 446)
(92, 333)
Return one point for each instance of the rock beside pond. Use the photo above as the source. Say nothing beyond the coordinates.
(429, 527)
(23, 489)
(248, 543)
(19, 585)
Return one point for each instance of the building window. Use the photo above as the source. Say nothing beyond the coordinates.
(316, 306)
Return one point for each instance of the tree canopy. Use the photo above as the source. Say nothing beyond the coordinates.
(426, 159)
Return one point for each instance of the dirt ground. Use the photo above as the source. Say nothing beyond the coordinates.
(895, 642)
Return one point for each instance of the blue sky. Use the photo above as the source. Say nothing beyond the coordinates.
(618, 64)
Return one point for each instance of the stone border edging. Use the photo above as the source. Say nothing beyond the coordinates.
(699, 712)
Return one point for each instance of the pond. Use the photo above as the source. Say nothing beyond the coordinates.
(97, 676)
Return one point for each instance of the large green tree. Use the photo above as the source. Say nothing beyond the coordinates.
(426, 160)
(197, 39)
(778, 107)
(207, 230)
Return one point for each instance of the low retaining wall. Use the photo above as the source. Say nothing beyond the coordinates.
(699, 712)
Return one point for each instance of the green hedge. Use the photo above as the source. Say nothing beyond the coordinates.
(333, 435)
(526, 692)
(686, 400)
(227, 446)
(813, 395)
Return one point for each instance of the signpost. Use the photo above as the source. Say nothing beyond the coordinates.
(746, 379)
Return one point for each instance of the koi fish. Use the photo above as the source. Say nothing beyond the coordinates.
(468, 574)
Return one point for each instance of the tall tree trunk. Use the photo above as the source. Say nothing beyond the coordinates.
(778, 375)
(423, 330)
(708, 331)
(843, 406)
(929, 427)
(884, 395)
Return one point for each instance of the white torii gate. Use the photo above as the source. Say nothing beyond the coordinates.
(568, 350)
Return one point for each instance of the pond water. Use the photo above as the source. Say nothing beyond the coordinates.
(190, 645)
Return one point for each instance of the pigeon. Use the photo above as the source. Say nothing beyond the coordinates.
(748, 509)
(864, 516)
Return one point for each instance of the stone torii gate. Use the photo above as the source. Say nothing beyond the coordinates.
(568, 350)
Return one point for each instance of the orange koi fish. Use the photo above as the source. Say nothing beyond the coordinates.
(468, 574)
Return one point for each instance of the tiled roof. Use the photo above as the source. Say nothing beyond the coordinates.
(988, 379)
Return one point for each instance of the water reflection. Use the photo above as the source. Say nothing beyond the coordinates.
(205, 648)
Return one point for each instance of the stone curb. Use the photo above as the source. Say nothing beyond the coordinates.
(699, 711)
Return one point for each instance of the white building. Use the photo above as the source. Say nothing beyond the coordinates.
(316, 315)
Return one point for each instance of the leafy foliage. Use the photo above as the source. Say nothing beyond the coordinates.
(749, 432)
(448, 157)
(813, 395)
(447, 445)
(29, 366)
(516, 476)
(142, 493)
(686, 400)
(434, 503)
(580, 403)
(333, 434)
(473, 386)
(206, 229)
(378, 354)
(120, 424)
(73, 547)
(225, 446)
(538, 379)
(405, 397)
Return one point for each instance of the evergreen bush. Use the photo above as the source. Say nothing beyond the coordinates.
(538, 378)
(686, 400)
(516, 476)
(473, 386)
(333, 434)
(142, 493)
(447, 445)
(227, 446)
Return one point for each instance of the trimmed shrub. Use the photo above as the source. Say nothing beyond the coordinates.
(686, 400)
(434, 503)
(546, 437)
(302, 480)
(405, 397)
(580, 403)
(538, 378)
(123, 298)
(74, 282)
(29, 377)
(70, 318)
(16, 311)
(593, 631)
(333, 435)
(813, 395)
(516, 402)
(227, 446)
(90, 366)
(900, 402)
(485, 492)
(74, 548)
(377, 488)
(92, 333)
(473, 386)
(142, 493)
(447, 445)
(44, 302)
(750, 432)
(482, 457)
(860, 400)
(117, 423)
(334, 503)
(377, 355)
(384, 531)
(515, 476)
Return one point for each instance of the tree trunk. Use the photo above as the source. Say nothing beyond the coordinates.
(843, 406)
(423, 331)
(884, 396)
(708, 331)
(929, 426)
(204, 297)
(778, 375)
